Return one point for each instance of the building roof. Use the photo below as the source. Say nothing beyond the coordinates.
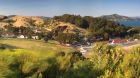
(119, 41)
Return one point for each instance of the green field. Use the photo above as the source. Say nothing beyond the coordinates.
(35, 45)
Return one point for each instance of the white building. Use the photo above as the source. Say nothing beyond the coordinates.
(35, 37)
(8, 35)
(21, 36)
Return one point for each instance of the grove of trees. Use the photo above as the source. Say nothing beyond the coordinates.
(95, 26)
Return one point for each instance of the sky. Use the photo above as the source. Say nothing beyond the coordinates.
(52, 8)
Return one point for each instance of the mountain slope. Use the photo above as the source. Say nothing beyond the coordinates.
(25, 21)
(38, 23)
(116, 17)
(125, 20)
(67, 27)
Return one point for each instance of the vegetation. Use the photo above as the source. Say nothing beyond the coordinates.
(88, 27)
(134, 32)
(67, 37)
(95, 26)
(35, 45)
(26, 58)
(103, 62)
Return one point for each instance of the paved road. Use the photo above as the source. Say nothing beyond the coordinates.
(131, 44)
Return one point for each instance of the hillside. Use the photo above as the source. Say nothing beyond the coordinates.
(27, 21)
(37, 22)
(125, 20)
(117, 17)
(74, 24)
(3, 24)
(95, 26)
(68, 27)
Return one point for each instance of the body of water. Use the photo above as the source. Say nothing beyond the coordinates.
(130, 23)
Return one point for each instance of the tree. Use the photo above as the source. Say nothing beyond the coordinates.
(67, 38)
(46, 39)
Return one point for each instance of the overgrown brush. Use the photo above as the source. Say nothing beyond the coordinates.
(105, 62)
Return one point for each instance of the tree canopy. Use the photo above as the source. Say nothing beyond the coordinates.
(96, 26)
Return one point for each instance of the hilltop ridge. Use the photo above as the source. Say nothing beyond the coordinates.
(117, 17)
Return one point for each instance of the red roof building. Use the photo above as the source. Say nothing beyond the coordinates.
(119, 41)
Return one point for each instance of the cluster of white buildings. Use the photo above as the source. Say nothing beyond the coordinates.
(19, 36)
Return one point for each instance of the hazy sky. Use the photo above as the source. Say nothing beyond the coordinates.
(58, 7)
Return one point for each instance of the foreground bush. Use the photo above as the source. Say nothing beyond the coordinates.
(105, 62)
(116, 62)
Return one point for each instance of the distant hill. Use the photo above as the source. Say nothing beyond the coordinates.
(2, 17)
(38, 23)
(25, 21)
(103, 27)
(125, 20)
(116, 17)
(67, 27)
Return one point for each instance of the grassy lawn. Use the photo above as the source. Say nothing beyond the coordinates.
(35, 45)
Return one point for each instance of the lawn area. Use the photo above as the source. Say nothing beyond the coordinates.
(35, 45)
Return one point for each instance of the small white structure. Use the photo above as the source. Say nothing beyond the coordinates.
(35, 37)
(68, 45)
(135, 39)
(21, 36)
(82, 50)
(85, 49)
(8, 35)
